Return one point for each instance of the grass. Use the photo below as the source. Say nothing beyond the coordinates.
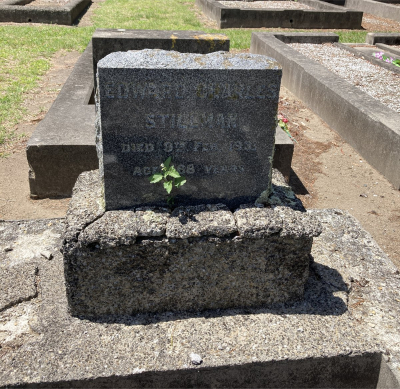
(25, 54)
(26, 51)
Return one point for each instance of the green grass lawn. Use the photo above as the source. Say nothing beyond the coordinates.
(26, 51)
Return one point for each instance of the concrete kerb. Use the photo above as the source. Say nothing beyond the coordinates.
(16, 11)
(377, 8)
(384, 41)
(374, 38)
(367, 125)
(365, 52)
(63, 144)
(324, 15)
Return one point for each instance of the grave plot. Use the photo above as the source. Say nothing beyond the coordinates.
(56, 157)
(285, 14)
(41, 11)
(368, 121)
(387, 42)
(385, 56)
(386, 9)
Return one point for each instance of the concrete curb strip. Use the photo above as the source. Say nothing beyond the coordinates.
(323, 15)
(377, 8)
(366, 124)
(18, 12)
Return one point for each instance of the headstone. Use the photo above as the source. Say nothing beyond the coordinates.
(214, 114)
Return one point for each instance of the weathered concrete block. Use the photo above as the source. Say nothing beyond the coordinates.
(214, 114)
(15, 11)
(195, 258)
(323, 15)
(378, 8)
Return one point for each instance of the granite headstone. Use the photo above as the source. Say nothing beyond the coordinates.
(214, 114)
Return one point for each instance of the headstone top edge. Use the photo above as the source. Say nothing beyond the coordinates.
(163, 59)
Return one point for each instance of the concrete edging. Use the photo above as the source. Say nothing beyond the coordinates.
(377, 8)
(373, 60)
(325, 16)
(366, 124)
(373, 38)
(15, 11)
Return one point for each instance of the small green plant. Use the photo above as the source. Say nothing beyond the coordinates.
(170, 178)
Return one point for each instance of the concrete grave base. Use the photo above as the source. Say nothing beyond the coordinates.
(375, 38)
(344, 333)
(195, 258)
(365, 123)
(63, 145)
(323, 15)
(16, 11)
(378, 8)
(385, 42)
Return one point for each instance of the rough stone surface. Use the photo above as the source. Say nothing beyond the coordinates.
(201, 220)
(214, 114)
(85, 207)
(204, 260)
(332, 338)
(18, 283)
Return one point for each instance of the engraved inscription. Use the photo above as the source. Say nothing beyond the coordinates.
(242, 146)
(188, 146)
(130, 90)
(212, 90)
(137, 147)
(190, 169)
(174, 146)
(236, 91)
(212, 169)
(191, 121)
(146, 170)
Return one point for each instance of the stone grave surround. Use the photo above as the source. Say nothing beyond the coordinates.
(217, 249)
(16, 11)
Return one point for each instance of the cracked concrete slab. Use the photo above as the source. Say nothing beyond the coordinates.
(18, 283)
(344, 332)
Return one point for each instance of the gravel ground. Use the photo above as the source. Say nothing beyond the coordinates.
(374, 80)
(283, 4)
(47, 3)
(374, 23)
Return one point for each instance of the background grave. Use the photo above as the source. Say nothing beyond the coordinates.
(20, 11)
(322, 15)
(370, 130)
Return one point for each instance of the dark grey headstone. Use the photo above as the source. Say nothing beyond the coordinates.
(213, 114)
